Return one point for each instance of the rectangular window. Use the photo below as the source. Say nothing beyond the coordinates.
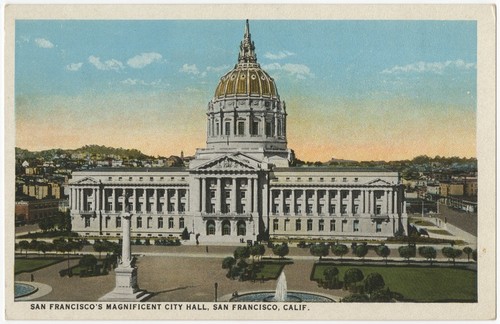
(276, 208)
(227, 208)
(228, 194)
(241, 128)
(171, 222)
(287, 224)
(87, 222)
(227, 126)
(149, 222)
(309, 209)
(355, 226)
(139, 222)
(217, 129)
(298, 225)
(212, 193)
(181, 222)
(321, 225)
(378, 226)
(242, 194)
(268, 129)
(118, 222)
(344, 224)
(332, 209)
(309, 225)
(170, 207)
(182, 208)
(379, 209)
(150, 178)
(275, 225)
(160, 222)
(356, 209)
(287, 209)
(344, 209)
(212, 208)
(332, 225)
(355, 179)
(255, 128)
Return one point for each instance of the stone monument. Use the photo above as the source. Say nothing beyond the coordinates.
(126, 288)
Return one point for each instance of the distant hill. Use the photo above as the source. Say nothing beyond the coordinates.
(98, 151)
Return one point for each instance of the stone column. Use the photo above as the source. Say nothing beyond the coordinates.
(255, 195)
(372, 202)
(282, 202)
(250, 195)
(126, 256)
(176, 201)
(349, 203)
(315, 202)
(292, 203)
(80, 199)
(275, 125)
(203, 195)
(304, 202)
(218, 195)
(327, 202)
(390, 204)
(396, 202)
(233, 194)
(113, 200)
(73, 198)
(98, 199)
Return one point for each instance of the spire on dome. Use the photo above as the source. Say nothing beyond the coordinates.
(247, 47)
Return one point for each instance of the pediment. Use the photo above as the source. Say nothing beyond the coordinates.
(87, 181)
(230, 162)
(379, 182)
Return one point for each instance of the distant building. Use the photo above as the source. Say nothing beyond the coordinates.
(470, 187)
(448, 188)
(30, 211)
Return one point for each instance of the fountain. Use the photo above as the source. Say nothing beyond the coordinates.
(281, 294)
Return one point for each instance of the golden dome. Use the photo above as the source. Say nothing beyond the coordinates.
(247, 78)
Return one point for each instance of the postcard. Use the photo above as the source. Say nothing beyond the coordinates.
(264, 162)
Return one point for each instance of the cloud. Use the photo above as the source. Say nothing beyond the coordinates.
(430, 67)
(190, 69)
(300, 71)
(133, 82)
(43, 43)
(217, 68)
(107, 65)
(278, 56)
(74, 66)
(144, 59)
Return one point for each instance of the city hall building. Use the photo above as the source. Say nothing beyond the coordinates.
(241, 184)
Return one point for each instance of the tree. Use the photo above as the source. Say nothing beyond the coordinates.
(361, 251)
(63, 221)
(353, 276)
(355, 298)
(373, 282)
(228, 262)
(467, 250)
(88, 261)
(242, 252)
(44, 247)
(427, 252)
(33, 245)
(320, 250)
(185, 234)
(331, 277)
(99, 247)
(257, 250)
(383, 251)
(340, 250)
(451, 253)
(24, 245)
(46, 224)
(407, 252)
(381, 296)
(281, 250)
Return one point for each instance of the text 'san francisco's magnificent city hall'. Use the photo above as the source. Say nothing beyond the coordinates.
(241, 186)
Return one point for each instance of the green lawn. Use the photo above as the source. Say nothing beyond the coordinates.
(28, 265)
(423, 284)
(424, 223)
(269, 271)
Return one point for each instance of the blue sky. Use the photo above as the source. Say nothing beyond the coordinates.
(354, 89)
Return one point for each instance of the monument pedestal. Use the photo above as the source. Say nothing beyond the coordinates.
(126, 289)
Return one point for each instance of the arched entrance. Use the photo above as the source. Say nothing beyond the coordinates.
(210, 227)
(241, 227)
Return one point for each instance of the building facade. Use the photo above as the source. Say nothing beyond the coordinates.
(241, 186)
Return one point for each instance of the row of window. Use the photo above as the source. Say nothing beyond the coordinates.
(321, 225)
(143, 178)
(310, 179)
(322, 209)
(255, 129)
(139, 222)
